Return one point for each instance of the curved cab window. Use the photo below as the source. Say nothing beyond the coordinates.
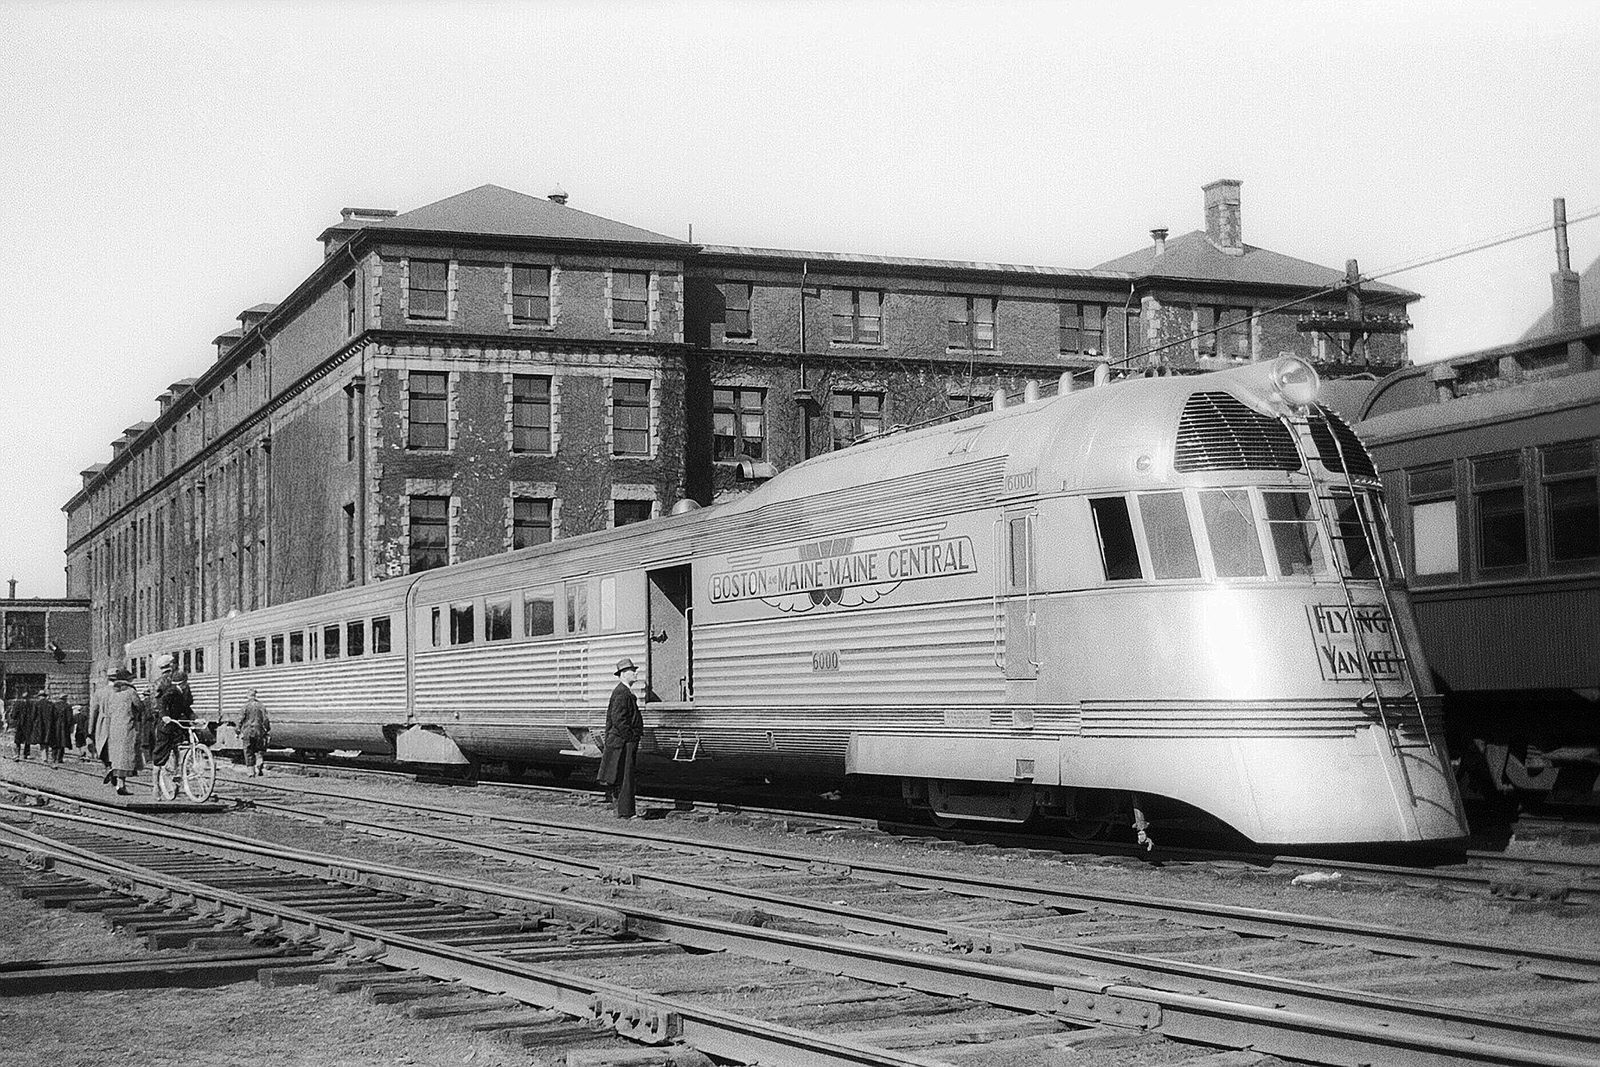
(1167, 532)
(1231, 525)
(1119, 553)
(1296, 539)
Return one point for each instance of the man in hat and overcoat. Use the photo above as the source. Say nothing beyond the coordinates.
(624, 728)
(116, 728)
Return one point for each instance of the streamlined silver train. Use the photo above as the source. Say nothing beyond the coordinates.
(1168, 589)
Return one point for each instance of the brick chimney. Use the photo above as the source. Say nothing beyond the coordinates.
(1222, 216)
(1159, 236)
(1566, 307)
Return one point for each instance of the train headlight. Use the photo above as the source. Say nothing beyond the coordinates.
(1296, 382)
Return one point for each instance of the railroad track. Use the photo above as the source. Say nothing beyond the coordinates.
(1300, 987)
(1495, 875)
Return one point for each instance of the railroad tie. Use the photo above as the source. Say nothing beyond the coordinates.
(1041, 1045)
(662, 1056)
(957, 1033)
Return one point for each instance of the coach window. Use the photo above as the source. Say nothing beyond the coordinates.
(199, 661)
(1119, 553)
(1435, 542)
(277, 649)
(381, 640)
(1168, 535)
(1571, 504)
(577, 607)
(244, 654)
(261, 652)
(1502, 514)
(186, 661)
(355, 638)
(330, 641)
(1231, 526)
(608, 604)
(538, 613)
(1296, 536)
(497, 619)
(436, 628)
(462, 623)
(297, 646)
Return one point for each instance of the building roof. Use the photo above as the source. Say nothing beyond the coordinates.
(1194, 257)
(490, 209)
(863, 259)
(259, 309)
(1588, 304)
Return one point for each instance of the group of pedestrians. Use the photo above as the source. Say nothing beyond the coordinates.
(125, 729)
(34, 720)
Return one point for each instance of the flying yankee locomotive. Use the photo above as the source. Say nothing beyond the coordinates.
(1178, 588)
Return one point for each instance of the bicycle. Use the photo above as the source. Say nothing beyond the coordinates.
(197, 768)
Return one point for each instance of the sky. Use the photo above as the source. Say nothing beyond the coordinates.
(168, 165)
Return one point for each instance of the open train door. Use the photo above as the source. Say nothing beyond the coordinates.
(668, 612)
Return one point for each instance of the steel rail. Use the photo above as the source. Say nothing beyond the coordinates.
(1181, 1016)
(718, 1033)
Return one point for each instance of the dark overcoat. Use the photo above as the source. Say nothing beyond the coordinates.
(624, 723)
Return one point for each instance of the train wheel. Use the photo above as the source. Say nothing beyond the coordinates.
(1095, 814)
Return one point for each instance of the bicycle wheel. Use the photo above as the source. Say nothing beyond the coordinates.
(166, 784)
(199, 773)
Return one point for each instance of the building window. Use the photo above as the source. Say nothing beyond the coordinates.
(630, 300)
(530, 522)
(350, 542)
(1502, 515)
(1572, 504)
(530, 413)
(971, 320)
(428, 408)
(530, 296)
(1225, 332)
(350, 306)
(736, 309)
(428, 289)
(858, 316)
(630, 417)
(738, 424)
(430, 532)
(349, 423)
(856, 415)
(626, 512)
(1083, 328)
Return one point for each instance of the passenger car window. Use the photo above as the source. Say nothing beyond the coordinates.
(497, 620)
(538, 613)
(1231, 525)
(463, 623)
(381, 635)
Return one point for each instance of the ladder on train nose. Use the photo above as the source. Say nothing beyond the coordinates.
(1333, 528)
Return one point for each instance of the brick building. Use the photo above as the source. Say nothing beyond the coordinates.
(496, 370)
(44, 643)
